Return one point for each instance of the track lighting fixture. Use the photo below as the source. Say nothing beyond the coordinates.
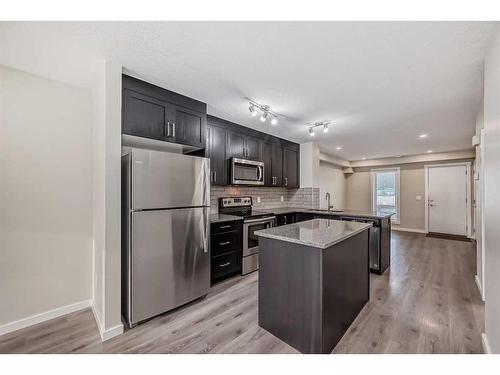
(324, 124)
(252, 110)
(265, 112)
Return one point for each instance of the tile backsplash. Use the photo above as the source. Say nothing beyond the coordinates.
(270, 197)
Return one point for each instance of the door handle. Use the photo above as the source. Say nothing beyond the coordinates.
(224, 226)
(259, 173)
(286, 181)
(173, 129)
(166, 129)
(224, 243)
(225, 264)
(215, 176)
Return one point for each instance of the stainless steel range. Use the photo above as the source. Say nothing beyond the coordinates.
(253, 221)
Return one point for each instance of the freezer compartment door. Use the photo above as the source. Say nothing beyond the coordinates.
(170, 263)
(168, 180)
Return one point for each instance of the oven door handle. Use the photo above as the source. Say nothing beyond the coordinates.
(265, 220)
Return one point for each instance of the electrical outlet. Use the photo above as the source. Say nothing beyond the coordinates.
(281, 198)
(258, 199)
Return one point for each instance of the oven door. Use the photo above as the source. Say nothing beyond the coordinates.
(250, 240)
(247, 172)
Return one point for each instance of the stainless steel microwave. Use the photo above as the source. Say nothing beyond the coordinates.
(247, 172)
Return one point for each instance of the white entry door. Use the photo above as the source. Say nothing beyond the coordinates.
(447, 199)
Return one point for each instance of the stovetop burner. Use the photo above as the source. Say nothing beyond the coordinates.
(240, 206)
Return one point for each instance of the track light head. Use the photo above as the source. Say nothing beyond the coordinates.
(325, 128)
(311, 132)
(274, 121)
(253, 111)
(263, 117)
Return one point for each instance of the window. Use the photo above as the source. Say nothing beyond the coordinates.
(385, 191)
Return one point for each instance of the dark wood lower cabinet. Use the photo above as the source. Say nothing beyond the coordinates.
(308, 297)
(226, 247)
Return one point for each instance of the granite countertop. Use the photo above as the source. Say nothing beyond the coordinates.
(319, 233)
(347, 212)
(219, 218)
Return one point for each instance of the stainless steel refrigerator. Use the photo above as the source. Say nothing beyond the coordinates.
(165, 224)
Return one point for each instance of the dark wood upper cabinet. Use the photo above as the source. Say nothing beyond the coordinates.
(216, 144)
(236, 145)
(252, 146)
(153, 112)
(277, 166)
(144, 116)
(267, 158)
(290, 168)
(190, 126)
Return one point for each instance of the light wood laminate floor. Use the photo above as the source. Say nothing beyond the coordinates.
(427, 302)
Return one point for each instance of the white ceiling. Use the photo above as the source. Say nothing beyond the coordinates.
(380, 83)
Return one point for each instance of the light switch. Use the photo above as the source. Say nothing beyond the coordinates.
(258, 199)
(418, 197)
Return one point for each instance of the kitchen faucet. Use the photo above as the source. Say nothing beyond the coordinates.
(327, 197)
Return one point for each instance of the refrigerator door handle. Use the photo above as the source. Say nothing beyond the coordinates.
(205, 230)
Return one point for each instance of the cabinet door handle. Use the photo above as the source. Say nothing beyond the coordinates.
(284, 219)
(286, 181)
(166, 129)
(225, 264)
(225, 226)
(173, 129)
(224, 243)
(215, 176)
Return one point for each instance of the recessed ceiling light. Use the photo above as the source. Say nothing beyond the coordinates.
(429, 151)
(338, 148)
(423, 135)
(363, 158)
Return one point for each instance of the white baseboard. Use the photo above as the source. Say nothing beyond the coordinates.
(109, 333)
(42, 317)
(409, 230)
(486, 345)
(479, 286)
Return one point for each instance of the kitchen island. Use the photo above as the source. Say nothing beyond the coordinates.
(380, 233)
(313, 281)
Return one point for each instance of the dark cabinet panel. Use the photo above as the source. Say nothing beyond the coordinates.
(291, 168)
(217, 154)
(277, 166)
(189, 126)
(267, 158)
(144, 116)
(285, 219)
(252, 148)
(236, 145)
(153, 112)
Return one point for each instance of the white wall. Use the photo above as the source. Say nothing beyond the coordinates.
(491, 163)
(478, 185)
(45, 195)
(332, 180)
(106, 198)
